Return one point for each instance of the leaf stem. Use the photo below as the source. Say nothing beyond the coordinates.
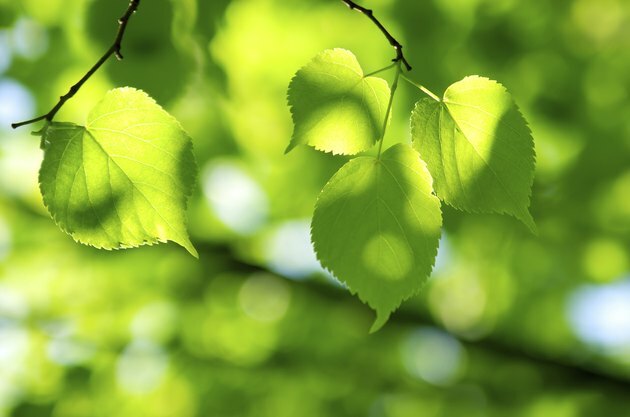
(393, 42)
(389, 106)
(421, 88)
(113, 50)
(390, 66)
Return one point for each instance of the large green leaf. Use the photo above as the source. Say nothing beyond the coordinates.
(478, 148)
(376, 227)
(123, 179)
(334, 107)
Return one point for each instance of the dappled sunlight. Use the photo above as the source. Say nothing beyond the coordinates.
(508, 323)
(396, 252)
(333, 126)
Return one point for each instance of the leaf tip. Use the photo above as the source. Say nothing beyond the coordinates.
(381, 318)
(187, 244)
(289, 148)
(528, 220)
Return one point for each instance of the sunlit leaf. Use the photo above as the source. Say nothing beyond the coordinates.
(478, 148)
(376, 227)
(123, 179)
(334, 107)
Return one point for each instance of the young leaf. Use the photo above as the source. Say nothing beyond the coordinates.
(334, 107)
(123, 179)
(478, 148)
(376, 227)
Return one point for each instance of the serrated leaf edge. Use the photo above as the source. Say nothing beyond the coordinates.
(293, 142)
(381, 319)
(531, 226)
(186, 244)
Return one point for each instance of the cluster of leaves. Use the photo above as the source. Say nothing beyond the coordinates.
(377, 222)
(124, 178)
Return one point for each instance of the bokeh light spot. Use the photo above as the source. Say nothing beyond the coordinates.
(156, 321)
(30, 39)
(141, 367)
(236, 198)
(16, 103)
(289, 252)
(433, 356)
(264, 297)
(600, 315)
(605, 260)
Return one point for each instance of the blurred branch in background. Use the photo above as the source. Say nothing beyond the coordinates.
(508, 326)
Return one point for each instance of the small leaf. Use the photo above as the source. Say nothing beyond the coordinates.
(334, 107)
(376, 227)
(123, 179)
(478, 148)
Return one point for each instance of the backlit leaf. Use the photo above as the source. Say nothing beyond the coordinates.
(123, 179)
(478, 148)
(334, 107)
(376, 227)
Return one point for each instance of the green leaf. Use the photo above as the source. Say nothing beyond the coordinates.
(123, 179)
(478, 148)
(376, 227)
(334, 107)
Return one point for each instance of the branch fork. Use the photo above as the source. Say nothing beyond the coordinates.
(400, 57)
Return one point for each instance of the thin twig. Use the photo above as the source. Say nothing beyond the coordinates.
(397, 46)
(113, 50)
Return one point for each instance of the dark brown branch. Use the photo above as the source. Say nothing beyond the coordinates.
(397, 46)
(113, 50)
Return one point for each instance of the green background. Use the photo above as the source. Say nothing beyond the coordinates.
(510, 324)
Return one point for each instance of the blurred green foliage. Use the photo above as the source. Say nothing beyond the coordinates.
(509, 324)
